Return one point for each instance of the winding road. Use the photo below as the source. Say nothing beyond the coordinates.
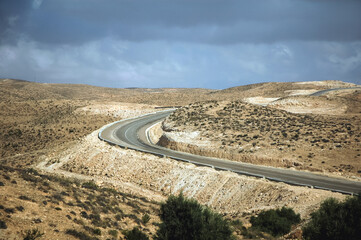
(132, 134)
(322, 92)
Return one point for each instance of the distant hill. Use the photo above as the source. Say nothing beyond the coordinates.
(283, 89)
(15, 90)
(20, 90)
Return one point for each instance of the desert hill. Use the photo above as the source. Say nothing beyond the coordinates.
(56, 176)
(20, 90)
(245, 132)
(38, 116)
(17, 90)
(283, 89)
(290, 129)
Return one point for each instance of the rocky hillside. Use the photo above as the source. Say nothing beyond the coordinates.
(283, 89)
(57, 178)
(68, 208)
(245, 132)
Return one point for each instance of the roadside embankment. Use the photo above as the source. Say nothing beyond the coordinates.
(155, 178)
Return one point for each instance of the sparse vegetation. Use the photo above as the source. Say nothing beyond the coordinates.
(80, 235)
(90, 223)
(245, 132)
(43, 120)
(32, 234)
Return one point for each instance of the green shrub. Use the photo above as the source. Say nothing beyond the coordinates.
(113, 232)
(23, 197)
(79, 235)
(119, 216)
(3, 225)
(135, 234)
(32, 234)
(275, 221)
(90, 185)
(186, 219)
(145, 219)
(110, 190)
(97, 231)
(335, 220)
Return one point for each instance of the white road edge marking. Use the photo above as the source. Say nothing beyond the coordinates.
(147, 132)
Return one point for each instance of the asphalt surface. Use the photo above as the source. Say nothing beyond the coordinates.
(319, 93)
(132, 134)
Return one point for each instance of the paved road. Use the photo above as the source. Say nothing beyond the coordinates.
(319, 93)
(132, 133)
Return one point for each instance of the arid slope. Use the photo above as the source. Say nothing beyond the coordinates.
(51, 158)
(326, 141)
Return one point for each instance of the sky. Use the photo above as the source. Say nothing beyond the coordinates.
(180, 43)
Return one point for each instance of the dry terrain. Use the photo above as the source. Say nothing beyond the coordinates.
(44, 120)
(279, 89)
(235, 196)
(264, 135)
(345, 102)
(65, 208)
(58, 177)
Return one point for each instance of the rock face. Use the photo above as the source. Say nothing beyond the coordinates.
(155, 178)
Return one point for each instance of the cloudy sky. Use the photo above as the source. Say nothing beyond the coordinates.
(180, 43)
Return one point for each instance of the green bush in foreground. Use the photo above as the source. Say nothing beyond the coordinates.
(335, 220)
(135, 234)
(185, 219)
(275, 221)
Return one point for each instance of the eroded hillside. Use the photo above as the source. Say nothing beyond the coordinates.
(154, 177)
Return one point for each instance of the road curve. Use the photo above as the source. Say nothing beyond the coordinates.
(132, 134)
(322, 92)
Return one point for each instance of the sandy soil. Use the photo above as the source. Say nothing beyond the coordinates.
(118, 110)
(260, 100)
(314, 105)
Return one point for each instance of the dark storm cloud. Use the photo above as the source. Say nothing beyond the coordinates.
(13, 16)
(173, 43)
(203, 21)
